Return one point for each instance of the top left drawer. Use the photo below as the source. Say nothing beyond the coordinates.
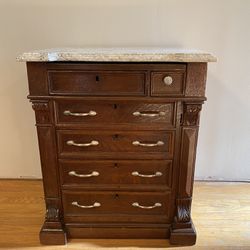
(99, 83)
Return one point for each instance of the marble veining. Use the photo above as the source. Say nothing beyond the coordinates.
(116, 55)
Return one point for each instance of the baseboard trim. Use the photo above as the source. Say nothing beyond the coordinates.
(20, 179)
(227, 180)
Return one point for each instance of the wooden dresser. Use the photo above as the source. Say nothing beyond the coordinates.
(117, 135)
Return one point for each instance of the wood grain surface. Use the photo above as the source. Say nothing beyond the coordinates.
(220, 211)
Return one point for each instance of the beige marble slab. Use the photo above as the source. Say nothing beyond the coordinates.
(116, 55)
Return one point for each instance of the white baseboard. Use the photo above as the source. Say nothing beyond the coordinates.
(21, 177)
(213, 179)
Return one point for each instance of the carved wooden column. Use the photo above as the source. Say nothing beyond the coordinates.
(52, 231)
(182, 228)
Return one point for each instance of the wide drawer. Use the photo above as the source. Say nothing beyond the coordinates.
(133, 174)
(114, 112)
(119, 83)
(84, 143)
(116, 203)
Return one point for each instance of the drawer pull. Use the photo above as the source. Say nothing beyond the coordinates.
(90, 113)
(92, 143)
(138, 113)
(137, 143)
(73, 173)
(136, 204)
(96, 204)
(168, 80)
(157, 174)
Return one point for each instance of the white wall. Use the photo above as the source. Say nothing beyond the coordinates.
(221, 27)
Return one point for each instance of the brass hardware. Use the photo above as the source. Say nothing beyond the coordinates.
(138, 113)
(96, 204)
(90, 113)
(137, 143)
(157, 174)
(136, 204)
(73, 173)
(92, 143)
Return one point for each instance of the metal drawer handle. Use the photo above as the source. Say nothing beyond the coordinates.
(92, 143)
(96, 204)
(157, 174)
(90, 113)
(137, 143)
(160, 113)
(136, 204)
(73, 173)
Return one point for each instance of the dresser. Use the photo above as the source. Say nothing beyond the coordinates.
(117, 133)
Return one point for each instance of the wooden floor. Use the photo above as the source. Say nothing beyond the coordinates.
(221, 214)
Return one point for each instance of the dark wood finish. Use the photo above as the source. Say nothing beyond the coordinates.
(183, 228)
(158, 88)
(113, 219)
(113, 203)
(122, 232)
(96, 83)
(52, 230)
(117, 174)
(196, 79)
(115, 112)
(37, 76)
(111, 142)
(115, 91)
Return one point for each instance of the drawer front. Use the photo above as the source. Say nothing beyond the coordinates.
(112, 203)
(167, 83)
(92, 112)
(84, 142)
(120, 173)
(97, 83)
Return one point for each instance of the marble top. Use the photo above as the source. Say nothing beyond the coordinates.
(116, 55)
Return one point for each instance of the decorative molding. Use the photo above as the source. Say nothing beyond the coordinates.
(42, 110)
(191, 114)
(183, 210)
(40, 105)
(52, 214)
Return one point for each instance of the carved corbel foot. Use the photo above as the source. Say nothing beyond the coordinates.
(52, 231)
(182, 231)
(183, 236)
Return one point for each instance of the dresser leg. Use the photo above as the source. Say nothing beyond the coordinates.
(52, 233)
(184, 234)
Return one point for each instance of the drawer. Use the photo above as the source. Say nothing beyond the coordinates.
(134, 174)
(119, 83)
(84, 143)
(166, 83)
(116, 112)
(77, 203)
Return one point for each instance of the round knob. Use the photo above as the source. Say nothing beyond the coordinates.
(168, 80)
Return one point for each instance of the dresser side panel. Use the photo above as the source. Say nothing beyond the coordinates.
(196, 79)
(37, 78)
